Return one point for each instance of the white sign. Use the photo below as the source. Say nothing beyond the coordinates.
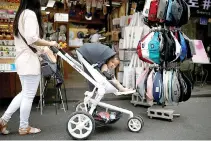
(61, 17)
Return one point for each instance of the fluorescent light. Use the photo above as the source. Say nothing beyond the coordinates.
(43, 8)
(47, 13)
(116, 3)
(51, 3)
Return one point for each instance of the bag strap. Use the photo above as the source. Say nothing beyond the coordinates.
(33, 49)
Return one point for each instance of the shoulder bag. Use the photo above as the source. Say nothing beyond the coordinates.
(47, 60)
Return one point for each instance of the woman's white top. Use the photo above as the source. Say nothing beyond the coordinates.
(27, 62)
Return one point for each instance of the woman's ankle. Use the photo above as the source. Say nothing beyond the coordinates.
(3, 129)
(3, 121)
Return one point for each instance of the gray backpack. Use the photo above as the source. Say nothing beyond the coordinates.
(165, 89)
(176, 91)
(162, 7)
(176, 11)
(170, 77)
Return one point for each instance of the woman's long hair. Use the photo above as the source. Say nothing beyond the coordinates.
(33, 5)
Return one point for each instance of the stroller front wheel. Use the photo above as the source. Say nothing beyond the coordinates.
(135, 124)
(80, 125)
(80, 106)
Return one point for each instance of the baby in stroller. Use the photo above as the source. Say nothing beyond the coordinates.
(108, 71)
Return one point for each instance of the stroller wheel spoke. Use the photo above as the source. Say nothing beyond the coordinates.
(88, 128)
(73, 122)
(80, 132)
(85, 121)
(79, 118)
(73, 130)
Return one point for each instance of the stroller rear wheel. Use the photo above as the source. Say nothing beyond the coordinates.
(80, 125)
(135, 124)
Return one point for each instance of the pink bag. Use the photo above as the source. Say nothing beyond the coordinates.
(149, 93)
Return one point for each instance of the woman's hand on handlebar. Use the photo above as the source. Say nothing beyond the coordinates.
(54, 44)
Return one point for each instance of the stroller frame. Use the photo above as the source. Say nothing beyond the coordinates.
(102, 87)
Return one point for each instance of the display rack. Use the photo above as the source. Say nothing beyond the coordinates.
(137, 100)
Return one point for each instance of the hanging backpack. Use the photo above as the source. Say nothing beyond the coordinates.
(189, 54)
(185, 13)
(153, 11)
(141, 83)
(170, 77)
(145, 80)
(189, 87)
(178, 48)
(168, 13)
(162, 8)
(157, 86)
(146, 8)
(168, 51)
(190, 44)
(164, 93)
(183, 87)
(176, 91)
(176, 12)
(142, 48)
(183, 46)
(154, 48)
(149, 92)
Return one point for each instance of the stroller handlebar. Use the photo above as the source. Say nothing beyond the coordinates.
(56, 50)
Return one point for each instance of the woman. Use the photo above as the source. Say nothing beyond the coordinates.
(27, 23)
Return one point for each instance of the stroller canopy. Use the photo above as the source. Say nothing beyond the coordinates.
(96, 53)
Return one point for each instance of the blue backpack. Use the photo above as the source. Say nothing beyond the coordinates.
(184, 47)
(154, 48)
(168, 13)
(157, 86)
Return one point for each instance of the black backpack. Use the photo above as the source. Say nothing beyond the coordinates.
(189, 54)
(176, 11)
(183, 86)
(189, 87)
(169, 46)
(185, 17)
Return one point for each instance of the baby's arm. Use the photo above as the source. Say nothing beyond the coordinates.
(104, 68)
(105, 72)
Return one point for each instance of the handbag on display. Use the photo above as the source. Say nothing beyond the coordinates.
(129, 74)
(47, 60)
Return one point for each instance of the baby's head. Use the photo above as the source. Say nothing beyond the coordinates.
(113, 62)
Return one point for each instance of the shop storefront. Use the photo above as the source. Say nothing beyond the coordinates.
(73, 23)
(199, 27)
(142, 49)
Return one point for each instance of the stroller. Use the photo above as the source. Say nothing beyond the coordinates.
(81, 124)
